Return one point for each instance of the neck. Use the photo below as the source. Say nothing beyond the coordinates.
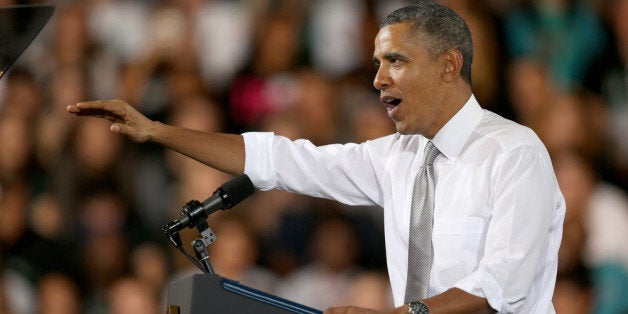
(450, 105)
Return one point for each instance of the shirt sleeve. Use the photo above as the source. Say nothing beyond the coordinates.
(342, 172)
(523, 205)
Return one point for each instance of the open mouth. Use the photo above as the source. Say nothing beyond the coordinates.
(390, 102)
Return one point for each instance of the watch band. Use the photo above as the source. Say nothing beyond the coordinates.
(418, 307)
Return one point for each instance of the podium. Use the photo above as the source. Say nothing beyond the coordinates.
(213, 294)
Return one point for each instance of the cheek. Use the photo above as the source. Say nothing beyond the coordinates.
(414, 89)
(411, 79)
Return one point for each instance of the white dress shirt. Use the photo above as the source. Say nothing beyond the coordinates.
(498, 209)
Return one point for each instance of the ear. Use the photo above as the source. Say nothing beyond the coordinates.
(452, 61)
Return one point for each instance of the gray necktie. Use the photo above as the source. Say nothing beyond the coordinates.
(421, 222)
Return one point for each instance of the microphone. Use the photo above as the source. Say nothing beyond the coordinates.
(226, 196)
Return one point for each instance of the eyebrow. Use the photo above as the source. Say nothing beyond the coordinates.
(389, 56)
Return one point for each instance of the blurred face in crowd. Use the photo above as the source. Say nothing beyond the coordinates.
(409, 80)
(58, 294)
(128, 295)
(16, 143)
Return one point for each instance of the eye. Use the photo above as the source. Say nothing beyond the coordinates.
(395, 61)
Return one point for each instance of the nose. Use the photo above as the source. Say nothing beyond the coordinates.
(382, 78)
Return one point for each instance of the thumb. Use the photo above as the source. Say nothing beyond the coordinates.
(119, 128)
(128, 131)
(116, 128)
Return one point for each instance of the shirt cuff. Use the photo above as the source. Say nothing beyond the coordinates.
(482, 284)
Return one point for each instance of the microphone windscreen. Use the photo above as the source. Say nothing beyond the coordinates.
(236, 190)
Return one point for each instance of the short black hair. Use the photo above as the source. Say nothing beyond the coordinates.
(440, 28)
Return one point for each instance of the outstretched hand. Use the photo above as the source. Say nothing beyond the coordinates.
(126, 119)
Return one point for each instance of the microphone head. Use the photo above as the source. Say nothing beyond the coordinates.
(236, 190)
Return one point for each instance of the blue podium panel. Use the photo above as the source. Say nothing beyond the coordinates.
(213, 294)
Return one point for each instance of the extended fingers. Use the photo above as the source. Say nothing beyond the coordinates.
(112, 110)
(114, 106)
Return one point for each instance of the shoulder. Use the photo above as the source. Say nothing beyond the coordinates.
(506, 135)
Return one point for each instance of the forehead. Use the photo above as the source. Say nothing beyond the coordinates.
(396, 37)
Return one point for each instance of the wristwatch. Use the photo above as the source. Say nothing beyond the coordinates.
(417, 307)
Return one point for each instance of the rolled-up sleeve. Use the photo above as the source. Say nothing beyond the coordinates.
(258, 164)
(343, 172)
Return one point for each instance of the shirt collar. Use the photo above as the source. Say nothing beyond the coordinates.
(454, 134)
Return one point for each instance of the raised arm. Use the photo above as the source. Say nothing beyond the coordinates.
(222, 151)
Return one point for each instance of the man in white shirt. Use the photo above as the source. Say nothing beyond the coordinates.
(498, 210)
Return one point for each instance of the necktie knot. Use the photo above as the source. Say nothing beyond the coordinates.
(431, 152)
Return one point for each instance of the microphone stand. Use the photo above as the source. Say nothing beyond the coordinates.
(199, 244)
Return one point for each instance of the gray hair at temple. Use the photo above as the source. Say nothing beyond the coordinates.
(439, 28)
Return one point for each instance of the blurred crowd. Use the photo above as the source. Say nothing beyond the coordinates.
(81, 209)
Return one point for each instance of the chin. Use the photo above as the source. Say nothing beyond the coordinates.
(405, 130)
(402, 132)
(402, 129)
